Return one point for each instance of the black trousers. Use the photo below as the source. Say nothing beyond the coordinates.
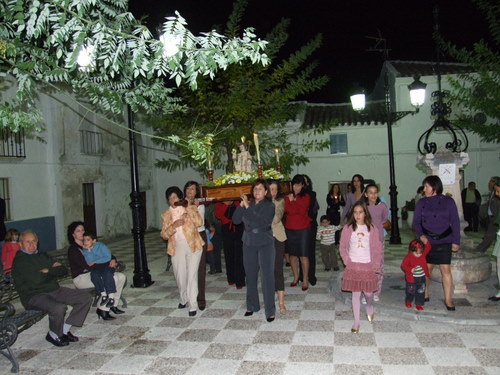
(233, 254)
(471, 215)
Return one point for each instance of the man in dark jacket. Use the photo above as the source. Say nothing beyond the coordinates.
(471, 200)
(35, 277)
(493, 208)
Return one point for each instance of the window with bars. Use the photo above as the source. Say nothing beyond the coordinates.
(12, 144)
(91, 142)
(90, 137)
(5, 195)
(338, 144)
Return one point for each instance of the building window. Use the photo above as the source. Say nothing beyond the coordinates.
(12, 144)
(90, 137)
(5, 195)
(338, 144)
(91, 142)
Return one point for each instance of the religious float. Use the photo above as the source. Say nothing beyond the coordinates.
(232, 186)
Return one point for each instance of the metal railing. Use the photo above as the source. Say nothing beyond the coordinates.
(12, 144)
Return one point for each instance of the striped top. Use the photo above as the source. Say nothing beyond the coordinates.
(418, 271)
(326, 235)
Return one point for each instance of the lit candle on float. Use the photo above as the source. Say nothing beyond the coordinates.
(209, 161)
(256, 142)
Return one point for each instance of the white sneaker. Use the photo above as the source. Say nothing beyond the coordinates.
(376, 298)
(363, 300)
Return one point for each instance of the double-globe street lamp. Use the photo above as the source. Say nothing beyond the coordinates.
(142, 277)
(417, 98)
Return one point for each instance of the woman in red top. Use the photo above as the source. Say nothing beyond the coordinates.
(298, 228)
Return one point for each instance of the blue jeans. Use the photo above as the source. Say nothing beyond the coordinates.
(102, 278)
(416, 290)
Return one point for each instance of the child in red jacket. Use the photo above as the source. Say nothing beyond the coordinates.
(415, 268)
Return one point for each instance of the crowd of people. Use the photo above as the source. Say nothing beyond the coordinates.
(258, 234)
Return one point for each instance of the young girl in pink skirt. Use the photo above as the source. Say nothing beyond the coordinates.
(361, 251)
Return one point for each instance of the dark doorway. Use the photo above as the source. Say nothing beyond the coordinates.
(89, 207)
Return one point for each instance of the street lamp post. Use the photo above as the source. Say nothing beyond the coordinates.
(142, 277)
(417, 97)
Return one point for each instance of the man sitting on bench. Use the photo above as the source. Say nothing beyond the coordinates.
(35, 278)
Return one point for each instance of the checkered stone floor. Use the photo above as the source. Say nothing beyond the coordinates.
(313, 337)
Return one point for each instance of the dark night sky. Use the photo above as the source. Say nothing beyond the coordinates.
(345, 25)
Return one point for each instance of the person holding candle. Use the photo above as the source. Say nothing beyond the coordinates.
(334, 200)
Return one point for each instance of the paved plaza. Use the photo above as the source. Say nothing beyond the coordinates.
(313, 337)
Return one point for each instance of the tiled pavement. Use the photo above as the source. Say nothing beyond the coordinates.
(313, 337)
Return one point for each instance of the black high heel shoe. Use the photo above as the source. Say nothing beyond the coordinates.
(449, 308)
(105, 315)
(116, 310)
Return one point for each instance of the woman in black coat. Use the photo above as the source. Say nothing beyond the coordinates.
(258, 247)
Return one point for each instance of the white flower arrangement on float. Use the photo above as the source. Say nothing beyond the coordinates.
(234, 178)
(245, 177)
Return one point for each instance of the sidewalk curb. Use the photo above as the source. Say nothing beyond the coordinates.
(397, 309)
